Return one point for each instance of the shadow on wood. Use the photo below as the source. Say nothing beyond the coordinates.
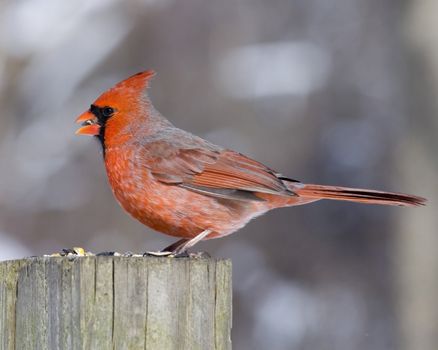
(115, 303)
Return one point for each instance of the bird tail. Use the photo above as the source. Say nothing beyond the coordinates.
(316, 192)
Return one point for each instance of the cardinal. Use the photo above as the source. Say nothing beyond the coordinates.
(184, 186)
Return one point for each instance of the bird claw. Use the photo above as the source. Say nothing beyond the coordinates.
(160, 254)
(177, 254)
(168, 254)
(183, 254)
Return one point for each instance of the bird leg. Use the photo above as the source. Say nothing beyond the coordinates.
(180, 247)
(168, 250)
(175, 245)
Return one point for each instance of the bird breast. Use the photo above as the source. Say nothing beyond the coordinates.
(171, 209)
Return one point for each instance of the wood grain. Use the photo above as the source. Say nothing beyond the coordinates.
(115, 303)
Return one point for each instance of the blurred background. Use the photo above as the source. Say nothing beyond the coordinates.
(340, 92)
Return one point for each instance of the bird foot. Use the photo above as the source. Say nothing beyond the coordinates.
(177, 254)
(169, 254)
(160, 254)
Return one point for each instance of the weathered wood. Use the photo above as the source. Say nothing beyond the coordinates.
(115, 303)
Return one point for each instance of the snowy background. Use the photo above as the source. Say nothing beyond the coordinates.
(340, 92)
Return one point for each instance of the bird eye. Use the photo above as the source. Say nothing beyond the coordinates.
(107, 112)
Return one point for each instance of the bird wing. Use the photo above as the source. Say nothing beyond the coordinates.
(215, 172)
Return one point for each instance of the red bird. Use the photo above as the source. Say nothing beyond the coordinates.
(184, 186)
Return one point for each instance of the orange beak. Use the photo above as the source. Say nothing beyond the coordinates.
(89, 124)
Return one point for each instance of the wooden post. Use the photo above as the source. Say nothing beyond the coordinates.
(115, 303)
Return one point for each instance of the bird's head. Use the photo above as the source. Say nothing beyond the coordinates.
(116, 109)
